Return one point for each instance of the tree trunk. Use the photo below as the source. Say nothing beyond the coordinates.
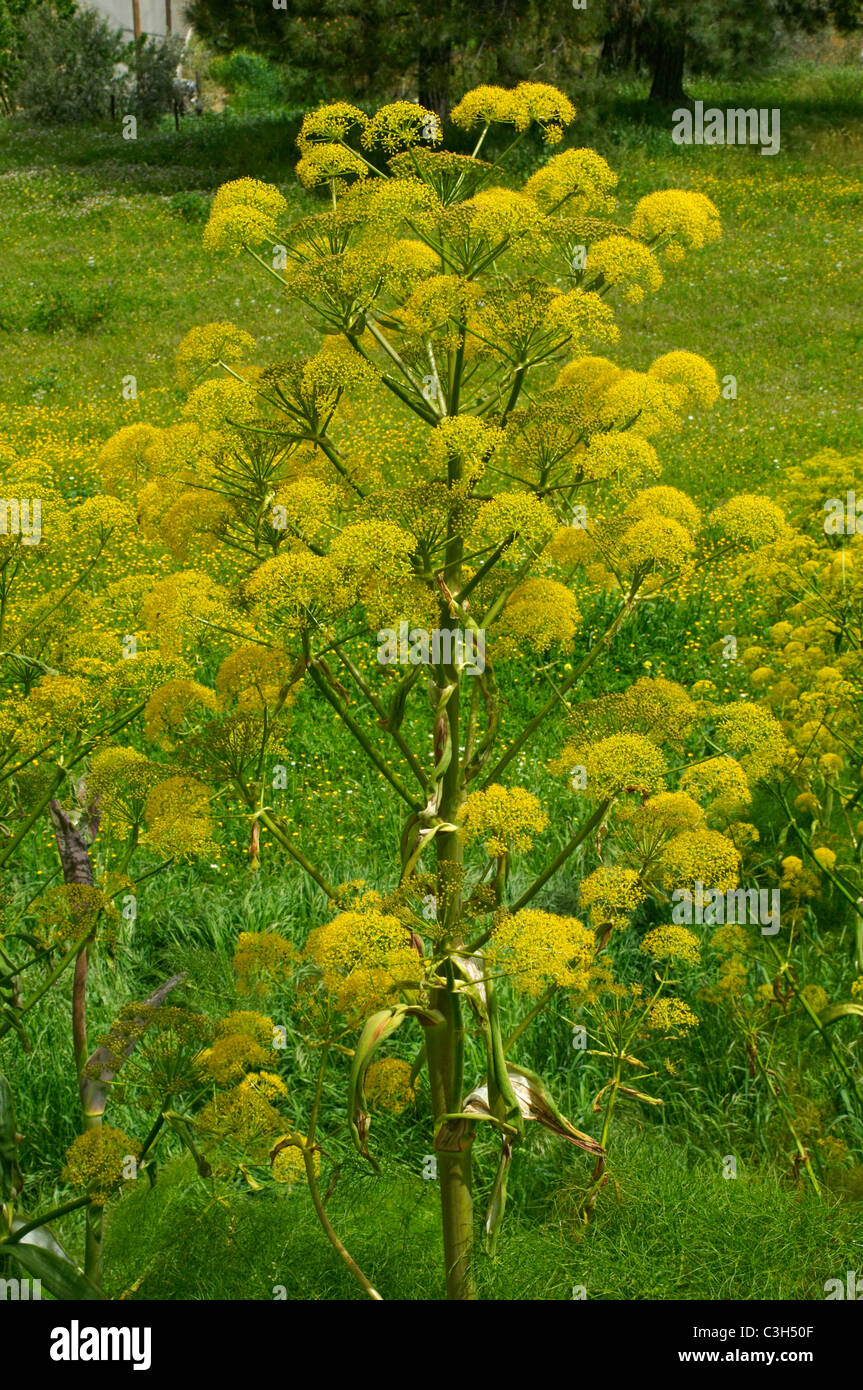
(618, 42)
(669, 57)
(434, 64)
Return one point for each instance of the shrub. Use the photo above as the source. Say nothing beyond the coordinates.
(66, 64)
(149, 87)
(80, 310)
(190, 205)
(254, 83)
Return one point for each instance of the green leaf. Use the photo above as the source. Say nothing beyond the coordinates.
(41, 1235)
(376, 1030)
(59, 1275)
(843, 1010)
(639, 1095)
(10, 1174)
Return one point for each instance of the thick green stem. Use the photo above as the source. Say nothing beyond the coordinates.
(443, 1046)
(95, 1224)
(445, 1043)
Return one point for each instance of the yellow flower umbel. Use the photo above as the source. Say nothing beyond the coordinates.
(123, 463)
(176, 706)
(627, 763)
(288, 1164)
(756, 737)
(539, 614)
(122, 779)
(243, 1116)
(529, 101)
(96, 1161)
(244, 213)
(388, 1084)
(324, 163)
(825, 856)
(262, 962)
(702, 856)
(254, 677)
(508, 818)
(244, 1040)
(69, 912)
(666, 814)
(720, 784)
(230, 1057)
(578, 180)
(681, 221)
(178, 818)
(400, 125)
(579, 317)
(672, 943)
(536, 950)
(366, 960)
(611, 894)
(671, 1018)
(621, 261)
(331, 123)
(264, 1083)
(212, 344)
(749, 520)
(249, 1024)
(691, 377)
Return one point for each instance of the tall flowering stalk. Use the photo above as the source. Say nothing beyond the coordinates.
(520, 488)
(474, 306)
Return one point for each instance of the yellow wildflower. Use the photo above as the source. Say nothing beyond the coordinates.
(508, 816)
(672, 943)
(96, 1161)
(538, 949)
(388, 1084)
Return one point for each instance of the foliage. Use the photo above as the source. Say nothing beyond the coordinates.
(66, 62)
(254, 82)
(709, 35)
(150, 83)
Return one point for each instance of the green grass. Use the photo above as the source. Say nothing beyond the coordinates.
(676, 1232)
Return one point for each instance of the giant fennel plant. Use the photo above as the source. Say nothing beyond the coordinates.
(453, 479)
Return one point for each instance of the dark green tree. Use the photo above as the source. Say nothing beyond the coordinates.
(65, 62)
(672, 37)
(373, 48)
(12, 15)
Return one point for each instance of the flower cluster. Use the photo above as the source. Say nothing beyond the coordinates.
(366, 959)
(611, 894)
(388, 1084)
(537, 950)
(508, 818)
(96, 1161)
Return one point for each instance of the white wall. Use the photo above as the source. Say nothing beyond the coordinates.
(119, 14)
